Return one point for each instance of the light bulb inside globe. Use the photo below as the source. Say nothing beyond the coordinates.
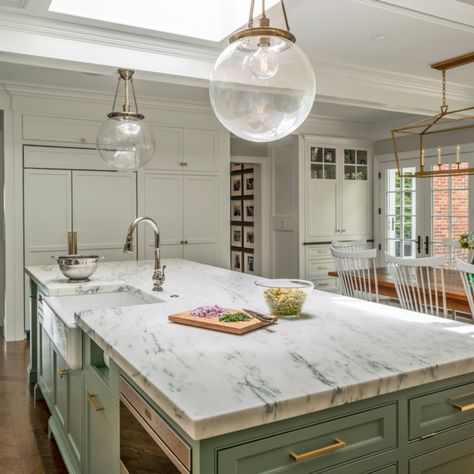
(264, 63)
(125, 143)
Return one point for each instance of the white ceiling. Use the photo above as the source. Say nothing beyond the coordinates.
(361, 78)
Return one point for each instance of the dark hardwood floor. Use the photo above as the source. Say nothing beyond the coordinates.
(24, 444)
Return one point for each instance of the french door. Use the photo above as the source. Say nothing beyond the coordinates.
(417, 215)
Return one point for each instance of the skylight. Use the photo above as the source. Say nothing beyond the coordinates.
(211, 20)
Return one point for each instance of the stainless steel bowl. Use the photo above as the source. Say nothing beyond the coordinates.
(78, 267)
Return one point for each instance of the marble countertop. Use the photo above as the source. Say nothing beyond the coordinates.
(210, 383)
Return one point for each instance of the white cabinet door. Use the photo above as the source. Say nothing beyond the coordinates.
(356, 209)
(104, 205)
(163, 199)
(200, 150)
(200, 218)
(47, 204)
(168, 153)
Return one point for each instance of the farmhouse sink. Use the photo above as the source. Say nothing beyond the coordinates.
(59, 322)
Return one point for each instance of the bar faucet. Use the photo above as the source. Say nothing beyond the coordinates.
(159, 273)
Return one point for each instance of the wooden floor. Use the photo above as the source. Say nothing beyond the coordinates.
(24, 444)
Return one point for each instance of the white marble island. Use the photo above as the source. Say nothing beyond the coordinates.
(210, 383)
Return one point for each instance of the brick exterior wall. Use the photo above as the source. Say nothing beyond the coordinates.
(450, 198)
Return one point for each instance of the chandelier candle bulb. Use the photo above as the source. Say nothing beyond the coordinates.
(422, 158)
(458, 154)
(439, 156)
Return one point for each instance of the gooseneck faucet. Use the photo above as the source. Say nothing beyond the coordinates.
(159, 273)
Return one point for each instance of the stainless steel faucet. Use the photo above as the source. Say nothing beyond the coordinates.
(159, 273)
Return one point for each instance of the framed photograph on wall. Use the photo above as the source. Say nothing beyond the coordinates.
(249, 184)
(236, 237)
(249, 210)
(248, 167)
(249, 237)
(236, 211)
(236, 185)
(236, 263)
(235, 167)
(249, 263)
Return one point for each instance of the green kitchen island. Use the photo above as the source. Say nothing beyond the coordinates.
(351, 387)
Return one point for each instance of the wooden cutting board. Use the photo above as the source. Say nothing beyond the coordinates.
(216, 325)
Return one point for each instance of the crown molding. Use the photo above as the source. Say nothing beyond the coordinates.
(95, 35)
(14, 89)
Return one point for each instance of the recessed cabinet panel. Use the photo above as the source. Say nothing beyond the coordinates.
(200, 217)
(168, 152)
(163, 197)
(200, 150)
(60, 129)
(323, 205)
(104, 205)
(356, 211)
(60, 389)
(47, 203)
(63, 158)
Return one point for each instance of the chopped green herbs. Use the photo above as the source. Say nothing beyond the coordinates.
(235, 317)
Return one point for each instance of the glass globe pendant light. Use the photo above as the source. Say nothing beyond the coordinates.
(262, 86)
(124, 141)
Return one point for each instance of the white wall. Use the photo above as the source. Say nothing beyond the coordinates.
(2, 219)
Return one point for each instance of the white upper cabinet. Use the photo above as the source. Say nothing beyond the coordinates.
(200, 150)
(185, 208)
(48, 217)
(169, 150)
(338, 190)
(104, 205)
(163, 201)
(60, 129)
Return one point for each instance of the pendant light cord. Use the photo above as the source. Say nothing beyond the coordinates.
(264, 13)
(116, 93)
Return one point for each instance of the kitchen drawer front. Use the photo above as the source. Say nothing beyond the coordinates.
(346, 438)
(441, 410)
(455, 459)
(318, 251)
(325, 284)
(319, 268)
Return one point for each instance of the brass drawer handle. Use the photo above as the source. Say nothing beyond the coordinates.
(463, 408)
(338, 444)
(94, 403)
(62, 373)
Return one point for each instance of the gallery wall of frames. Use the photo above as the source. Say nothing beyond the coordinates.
(244, 215)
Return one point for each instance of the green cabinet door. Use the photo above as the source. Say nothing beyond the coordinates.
(455, 459)
(45, 365)
(75, 411)
(60, 392)
(102, 429)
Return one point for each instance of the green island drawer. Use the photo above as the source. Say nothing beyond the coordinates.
(440, 411)
(325, 444)
(455, 459)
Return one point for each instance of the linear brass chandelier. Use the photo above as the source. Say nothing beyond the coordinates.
(429, 131)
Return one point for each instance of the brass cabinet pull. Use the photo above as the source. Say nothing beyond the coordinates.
(69, 243)
(338, 444)
(93, 402)
(75, 242)
(463, 408)
(62, 372)
(460, 406)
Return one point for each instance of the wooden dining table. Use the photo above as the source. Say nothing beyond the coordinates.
(456, 298)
